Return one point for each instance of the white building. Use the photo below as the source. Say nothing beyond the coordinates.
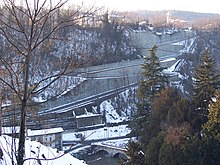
(50, 137)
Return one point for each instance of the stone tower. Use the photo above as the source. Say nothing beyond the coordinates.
(168, 17)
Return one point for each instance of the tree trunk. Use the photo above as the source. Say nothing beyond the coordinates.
(21, 145)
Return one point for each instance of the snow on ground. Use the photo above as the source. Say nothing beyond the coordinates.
(59, 88)
(110, 112)
(172, 68)
(101, 133)
(44, 131)
(35, 150)
(188, 45)
(168, 59)
(121, 143)
(181, 43)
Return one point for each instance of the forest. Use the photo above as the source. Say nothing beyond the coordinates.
(172, 128)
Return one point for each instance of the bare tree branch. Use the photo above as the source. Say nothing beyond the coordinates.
(26, 29)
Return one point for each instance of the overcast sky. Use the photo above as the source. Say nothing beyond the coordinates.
(207, 6)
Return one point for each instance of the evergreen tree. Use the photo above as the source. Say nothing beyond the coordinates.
(161, 104)
(153, 149)
(212, 126)
(176, 149)
(106, 33)
(153, 77)
(168, 108)
(179, 112)
(135, 153)
(153, 81)
(210, 151)
(205, 84)
(170, 154)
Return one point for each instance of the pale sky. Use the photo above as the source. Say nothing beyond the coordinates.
(207, 6)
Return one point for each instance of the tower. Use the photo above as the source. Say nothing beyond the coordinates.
(168, 17)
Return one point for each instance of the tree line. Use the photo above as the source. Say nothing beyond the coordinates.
(171, 128)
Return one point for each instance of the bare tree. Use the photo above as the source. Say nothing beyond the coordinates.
(28, 32)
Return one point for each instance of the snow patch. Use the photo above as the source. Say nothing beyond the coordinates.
(35, 153)
(101, 133)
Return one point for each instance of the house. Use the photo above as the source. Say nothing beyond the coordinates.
(83, 118)
(50, 137)
(88, 120)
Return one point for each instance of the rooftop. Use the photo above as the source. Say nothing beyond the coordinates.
(44, 131)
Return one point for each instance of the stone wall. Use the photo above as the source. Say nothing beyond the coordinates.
(146, 39)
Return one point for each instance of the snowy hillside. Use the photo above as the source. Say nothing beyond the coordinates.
(84, 46)
(36, 153)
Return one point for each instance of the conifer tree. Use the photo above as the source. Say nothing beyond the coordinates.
(162, 105)
(212, 126)
(153, 81)
(153, 78)
(205, 84)
(135, 153)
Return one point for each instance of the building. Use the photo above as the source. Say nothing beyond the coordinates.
(175, 23)
(11, 131)
(88, 120)
(48, 137)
